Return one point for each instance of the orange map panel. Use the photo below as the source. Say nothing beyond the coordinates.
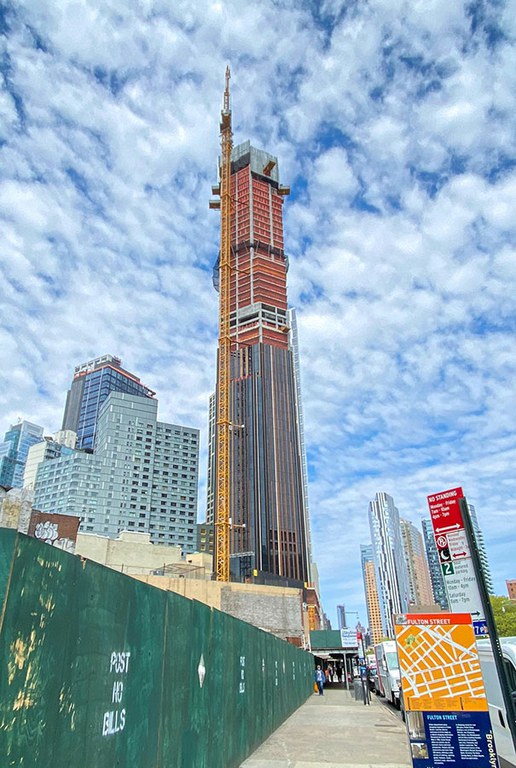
(439, 664)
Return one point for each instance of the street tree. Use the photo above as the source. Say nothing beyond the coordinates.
(504, 611)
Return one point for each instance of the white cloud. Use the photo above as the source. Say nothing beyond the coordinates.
(394, 125)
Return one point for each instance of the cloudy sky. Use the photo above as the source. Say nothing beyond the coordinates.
(394, 124)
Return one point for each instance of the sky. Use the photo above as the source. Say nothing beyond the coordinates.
(394, 125)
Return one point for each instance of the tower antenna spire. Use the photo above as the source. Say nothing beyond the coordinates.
(227, 108)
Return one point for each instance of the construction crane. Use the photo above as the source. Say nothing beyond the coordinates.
(223, 447)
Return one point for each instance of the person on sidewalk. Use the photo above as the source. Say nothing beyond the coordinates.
(319, 679)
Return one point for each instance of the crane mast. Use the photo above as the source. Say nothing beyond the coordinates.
(223, 480)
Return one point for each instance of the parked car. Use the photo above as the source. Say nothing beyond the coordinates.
(371, 676)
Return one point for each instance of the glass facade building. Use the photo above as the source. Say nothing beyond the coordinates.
(479, 538)
(341, 617)
(434, 565)
(14, 450)
(392, 578)
(92, 383)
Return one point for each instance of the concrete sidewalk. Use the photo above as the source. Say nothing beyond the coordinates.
(335, 731)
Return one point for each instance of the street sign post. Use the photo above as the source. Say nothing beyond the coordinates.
(464, 578)
(455, 556)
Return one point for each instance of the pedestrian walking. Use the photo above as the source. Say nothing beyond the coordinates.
(319, 679)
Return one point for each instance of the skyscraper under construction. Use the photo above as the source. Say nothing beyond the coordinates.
(269, 529)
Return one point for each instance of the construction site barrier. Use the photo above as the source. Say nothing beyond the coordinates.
(99, 670)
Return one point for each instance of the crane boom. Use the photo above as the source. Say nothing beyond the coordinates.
(223, 480)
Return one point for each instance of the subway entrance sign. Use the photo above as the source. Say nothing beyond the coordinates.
(446, 708)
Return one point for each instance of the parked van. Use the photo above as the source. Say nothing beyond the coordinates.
(501, 730)
(387, 671)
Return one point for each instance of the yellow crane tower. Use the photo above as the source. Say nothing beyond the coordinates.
(222, 472)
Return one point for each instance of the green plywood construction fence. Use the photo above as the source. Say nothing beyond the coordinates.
(99, 670)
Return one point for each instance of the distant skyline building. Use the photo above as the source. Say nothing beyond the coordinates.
(269, 510)
(14, 450)
(389, 557)
(434, 565)
(92, 383)
(479, 538)
(421, 593)
(293, 341)
(374, 614)
(142, 476)
(341, 617)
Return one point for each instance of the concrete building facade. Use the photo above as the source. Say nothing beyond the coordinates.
(62, 444)
(16, 508)
(130, 552)
(142, 476)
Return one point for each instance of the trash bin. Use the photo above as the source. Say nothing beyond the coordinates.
(357, 688)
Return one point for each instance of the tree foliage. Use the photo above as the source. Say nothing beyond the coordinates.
(504, 611)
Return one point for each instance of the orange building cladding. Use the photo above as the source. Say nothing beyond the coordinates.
(270, 531)
(259, 267)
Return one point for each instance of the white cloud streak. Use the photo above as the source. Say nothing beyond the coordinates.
(394, 124)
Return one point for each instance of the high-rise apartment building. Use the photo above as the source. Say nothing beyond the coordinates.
(61, 444)
(419, 576)
(142, 476)
(92, 383)
(374, 614)
(270, 532)
(434, 565)
(341, 616)
(391, 570)
(14, 450)
(69, 484)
